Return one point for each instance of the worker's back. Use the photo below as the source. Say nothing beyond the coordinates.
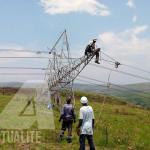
(87, 115)
(68, 112)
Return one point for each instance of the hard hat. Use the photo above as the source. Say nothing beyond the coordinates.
(94, 40)
(84, 100)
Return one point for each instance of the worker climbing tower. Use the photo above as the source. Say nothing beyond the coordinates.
(62, 68)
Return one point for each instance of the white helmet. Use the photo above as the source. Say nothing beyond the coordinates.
(84, 100)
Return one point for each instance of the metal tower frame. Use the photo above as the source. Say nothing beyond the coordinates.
(61, 75)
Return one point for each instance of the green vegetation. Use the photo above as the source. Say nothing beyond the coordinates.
(119, 126)
(138, 94)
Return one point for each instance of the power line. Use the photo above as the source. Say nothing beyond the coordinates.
(130, 66)
(23, 57)
(136, 68)
(32, 68)
(134, 90)
(91, 83)
(108, 61)
(101, 85)
(109, 56)
(22, 74)
(11, 57)
(23, 50)
(128, 89)
(122, 72)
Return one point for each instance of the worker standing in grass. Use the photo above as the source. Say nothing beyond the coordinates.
(68, 117)
(86, 124)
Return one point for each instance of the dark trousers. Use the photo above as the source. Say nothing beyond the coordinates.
(89, 50)
(97, 54)
(67, 124)
(90, 141)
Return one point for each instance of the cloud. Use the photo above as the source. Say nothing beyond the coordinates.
(139, 29)
(131, 4)
(127, 44)
(134, 18)
(92, 7)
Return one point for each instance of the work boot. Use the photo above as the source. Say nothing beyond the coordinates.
(69, 139)
(61, 136)
(96, 61)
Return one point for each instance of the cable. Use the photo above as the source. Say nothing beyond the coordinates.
(136, 68)
(23, 68)
(11, 57)
(130, 66)
(122, 72)
(101, 85)
(22, 74)
(129, 90)
(108, 56)
(102, 91)
(24, 57)
(108, 60)
(23, 50)
(83, 80)
(113, 84)
(104, 99)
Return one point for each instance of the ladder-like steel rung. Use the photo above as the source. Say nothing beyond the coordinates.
(67, 74)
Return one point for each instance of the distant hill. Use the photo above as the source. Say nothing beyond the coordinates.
(138, 94)
(18, 84)
(10, 84)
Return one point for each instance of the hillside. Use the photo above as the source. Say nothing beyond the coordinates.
(127, 126)
(138, 94)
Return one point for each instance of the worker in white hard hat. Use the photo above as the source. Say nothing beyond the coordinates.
(90, 48)
(86, 124)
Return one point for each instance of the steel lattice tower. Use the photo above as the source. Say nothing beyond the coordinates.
(62, 69)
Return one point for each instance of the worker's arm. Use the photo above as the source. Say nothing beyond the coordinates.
(93, 119)
(78, 127)
(62, 114)
(80, 123)
(80, 118)
(93, 122)
(74, 115)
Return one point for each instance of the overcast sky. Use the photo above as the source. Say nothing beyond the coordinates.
(121, 26)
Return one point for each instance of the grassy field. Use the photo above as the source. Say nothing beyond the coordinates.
(119, 126)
